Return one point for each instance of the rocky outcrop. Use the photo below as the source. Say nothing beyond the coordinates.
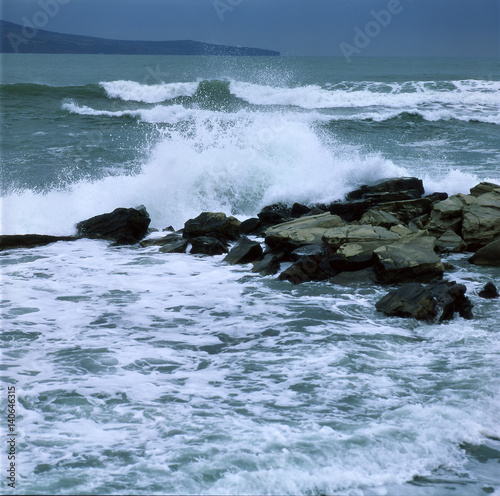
(275, 214)
(487, 255)
(432, 303)
(299, 232)
(375, 217)
(481, 221)
(123, 226)
(213, 224)
(339, 236)
(413, 260)
(11, 241)
(244, 251)
(208, 245)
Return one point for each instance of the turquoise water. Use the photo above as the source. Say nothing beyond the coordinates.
(144, 373)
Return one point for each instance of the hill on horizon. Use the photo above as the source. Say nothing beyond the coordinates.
(15, 38)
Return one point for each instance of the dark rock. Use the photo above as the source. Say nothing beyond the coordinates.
(298, 210)
(308, 268)
(402, 188)
(316, 249)
(208, 245)
(251, 226)
(123, 226)
(275, 214)
(413, 260)
(179, 246)
(170, 238)
(481, 221)
(450, 242)
(407, 210)
(11, 241)
(213, 224)
(244, 251)
(375, 217)
(482, 188)
(487, 255)
(364, 276)
(268, 266)
(435, 197)
(432, 303)
(489, 291)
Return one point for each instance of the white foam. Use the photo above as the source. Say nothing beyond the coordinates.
(153, 93)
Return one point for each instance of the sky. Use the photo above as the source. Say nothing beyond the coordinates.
(469, 28)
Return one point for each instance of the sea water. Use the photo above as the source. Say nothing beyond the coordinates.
(145, 373)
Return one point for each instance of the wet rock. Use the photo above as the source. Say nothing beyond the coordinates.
(299, 232)
(251, 226)
(489, 291)
(447, 215)
(394, 189)
(244, 251)
(213, 224)
(275, 214)
(268, 266)
(165, 240)
(488, 255)
(482, 188)
(408, 210)
(431, 303)
(481, 221)
(376, 217)
(450, 242)
(338, 236)
(298, 210)
(208, 245)
(413, 260)
(364, 276)
(123, 226)
(11, 241)
(179, 246)
(308, 268)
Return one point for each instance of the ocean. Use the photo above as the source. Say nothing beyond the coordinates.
(139, 372)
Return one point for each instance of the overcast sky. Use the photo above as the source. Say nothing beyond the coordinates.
(294, 27)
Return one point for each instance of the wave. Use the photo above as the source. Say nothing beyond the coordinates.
(137, 92)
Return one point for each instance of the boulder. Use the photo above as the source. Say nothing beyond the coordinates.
(338, 236)
(208, 245)
(299, 232)
(413, 260)
(308, 268)
(179, 246)
(450, 242)
(165, 240)
(489, 291)
(487, 255)
(364, 276)
(481, 221)
(298, 210)
(447, 215)
(375, 217)
(123, 226)
(394, 189)
(275, 214)
(484, 187)
(213, 224)
(244, 251)
(11, 241)
(432, 303)
(267, 266)
(251, 226)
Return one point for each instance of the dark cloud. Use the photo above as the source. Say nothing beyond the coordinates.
(299, 27)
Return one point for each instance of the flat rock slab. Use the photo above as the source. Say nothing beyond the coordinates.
(339, 236)
(414, 260)
(11, 241)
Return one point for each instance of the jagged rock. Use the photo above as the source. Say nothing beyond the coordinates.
(299, 232)
(408, 210)
(394, 189)
(316, 249)
(11, 241)
(413, 260)
(403, 231)
(213, 224)
(208, 245)
(244, 251)
(432, 303)
(179, 246)
(481, 221)
(123, 226)
(338, 236)
(364, 276)
(489, 291)
(484, 187)
(251, 226)
(298, 210)
(376, 217)
(165, 240)
(450, 242)
(268, 266)
(447, 215)
(308, 268)
(275, 214)
(487, 255)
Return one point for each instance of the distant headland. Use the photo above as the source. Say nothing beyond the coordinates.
(15, 38)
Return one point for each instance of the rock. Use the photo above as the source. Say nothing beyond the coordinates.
(403, 231)
(481, 221)
(179, 246)
(484, 187)
(408, 210)
(268, 266)
(207, 245)
(413, 260)
(251, 226)
(487, 255)
(213, 224)
(299, 232)
(489, 291)
(275, 214)
(338, 236)
(170, 238)
(298, 210)
(435, 197)
(244, 251)
(432, 303)
(450, 242)
(308, 268)
(11, 241)
(447, 215)
(364, 276)
(376, 217)
(402, 188)
(123, 226)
